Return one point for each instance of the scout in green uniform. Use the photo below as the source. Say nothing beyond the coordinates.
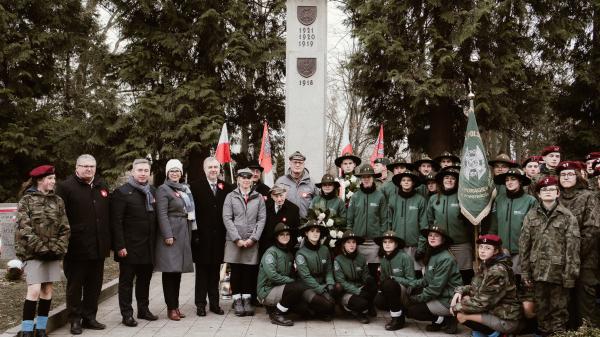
(549, 247)
(432, 187)
(444, 211)
(328, 197)
(313, 262)
(500, 165)
(347, 164)
(277, 289)
(446, 159)
(551, 156)
(575, 196)
(431, 295)
(490, 304)
(397, 274)
(510, 209)
(356, 287)
(425, 166)
(396, 167)
(380, 166)
(367, 215)
(407, 214)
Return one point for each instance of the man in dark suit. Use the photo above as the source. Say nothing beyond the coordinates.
(279, 209)
(133, 223)
(257, 184)
(86, 201)
(208, 239)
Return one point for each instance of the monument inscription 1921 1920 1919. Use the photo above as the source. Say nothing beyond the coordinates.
(306, 84)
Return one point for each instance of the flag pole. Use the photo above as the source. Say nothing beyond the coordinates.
(471, 96)
(231, 171)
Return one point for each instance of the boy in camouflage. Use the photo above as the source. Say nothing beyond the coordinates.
(549, 248)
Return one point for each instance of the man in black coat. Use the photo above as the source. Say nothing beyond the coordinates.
(87, 206)
(208, 240)
(257, 184)
(133, 223)
(279, 209)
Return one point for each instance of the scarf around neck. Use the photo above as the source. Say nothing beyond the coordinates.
(144, 189)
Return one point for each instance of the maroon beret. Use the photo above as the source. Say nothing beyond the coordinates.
(596, 171)
(547, 181)
(42, 171)
(550, 149)
(532, 158)
(592, 156)
(490, 239)
(567, 165)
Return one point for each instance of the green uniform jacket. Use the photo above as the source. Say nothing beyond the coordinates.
(336, 206)
(367, 214)
(42, 226)
(388, 189)
(507, 219)
(407, 217)
(446, 214)
(398, 266)
(276, 268)
(441, 278)
(584, 205)
(351, 273)
(549, 246)
(493, 290)
(314, 267)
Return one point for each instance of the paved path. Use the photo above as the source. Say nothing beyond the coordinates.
(231, 326)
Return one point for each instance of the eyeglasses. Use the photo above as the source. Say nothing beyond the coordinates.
(87, 166)
(568, 174)
(548, 189)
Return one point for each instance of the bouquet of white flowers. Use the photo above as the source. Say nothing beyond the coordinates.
(334, 225)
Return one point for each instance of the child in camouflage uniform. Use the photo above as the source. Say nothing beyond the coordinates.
(42, 239)
(549, 248)
(489, 305)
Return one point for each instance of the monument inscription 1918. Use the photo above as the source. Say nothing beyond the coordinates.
(306, 51)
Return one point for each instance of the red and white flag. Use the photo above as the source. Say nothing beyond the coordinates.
(346, 146)
(378, 150)
(223, 153)
(264, 158)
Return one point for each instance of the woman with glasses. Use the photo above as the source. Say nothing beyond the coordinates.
(577, 198)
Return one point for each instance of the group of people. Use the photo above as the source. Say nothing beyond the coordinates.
(406, 248)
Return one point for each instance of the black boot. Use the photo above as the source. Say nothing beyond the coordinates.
(434, 326)
(450, 325)
(396, 323)
(40, 333)
(277, 317)
(361, 317)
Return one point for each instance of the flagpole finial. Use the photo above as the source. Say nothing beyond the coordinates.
(471, 94)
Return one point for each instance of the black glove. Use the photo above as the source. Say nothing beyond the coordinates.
(48, 256)
(419, 255)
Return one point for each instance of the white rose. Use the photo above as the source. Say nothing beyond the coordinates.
(347, 183)
(349, 194)
(321, 217)
(329, 223)
(340, 234)
(332, 233)
(354, 179)
(332, 243)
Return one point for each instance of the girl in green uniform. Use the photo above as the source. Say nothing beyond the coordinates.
(356, 287)
(489, 305)
(431, 295)
(313, 262)
(397, 273)
(328, 199)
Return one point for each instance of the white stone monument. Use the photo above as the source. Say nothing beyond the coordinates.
(8, 226)
(306, 79)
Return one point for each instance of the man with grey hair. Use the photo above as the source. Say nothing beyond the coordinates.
(133, 222)
(300, 187)
(87, 206)
(208, 239)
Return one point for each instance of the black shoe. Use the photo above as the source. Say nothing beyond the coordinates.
(76, 328)
(147, 315)
(201, 311)
(450, 325)
(216, 310)
(238, 307)
(25, 334)
(277, 318)
(92, 324)
(40, 333)
(396, 323)
(361, 317)
(434, 327)
(248, 307)
(129, 321)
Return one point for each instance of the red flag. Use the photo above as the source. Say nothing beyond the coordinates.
(223, 153)
(264, 158)
(346, 146)
(378, 150)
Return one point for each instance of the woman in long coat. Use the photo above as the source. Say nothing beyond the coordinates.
(42, 239)
(176, 216)
(244, 216)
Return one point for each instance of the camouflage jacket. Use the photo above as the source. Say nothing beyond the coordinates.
(493, 290)
(549, 246)
(583, 204)
(42, 227)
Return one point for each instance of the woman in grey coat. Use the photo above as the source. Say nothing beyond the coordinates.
(176, 219)
(244, 215)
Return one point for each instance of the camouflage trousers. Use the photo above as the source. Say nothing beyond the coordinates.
(582, 305)
(551, 302)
